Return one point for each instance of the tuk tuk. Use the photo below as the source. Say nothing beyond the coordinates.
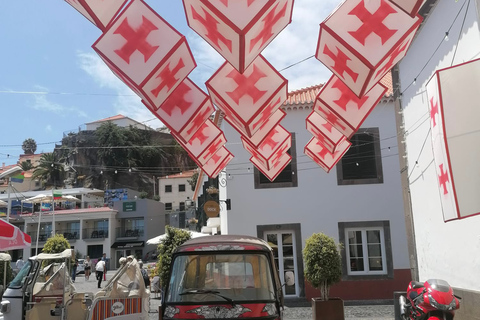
(43, 289)
(223, 276)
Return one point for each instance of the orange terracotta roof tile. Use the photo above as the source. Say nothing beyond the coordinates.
(387, 82)
(117, 117)
(184, 174)
(303, 96)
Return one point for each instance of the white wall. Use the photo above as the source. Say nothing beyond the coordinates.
(318, 203)
(448, 251)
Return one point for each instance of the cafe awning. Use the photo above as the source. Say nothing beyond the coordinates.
(128, 244)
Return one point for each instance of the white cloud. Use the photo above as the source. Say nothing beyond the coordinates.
(48, 128)
(127, 102)
(42, 102)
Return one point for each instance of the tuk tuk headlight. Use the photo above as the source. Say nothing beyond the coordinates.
(5, 307)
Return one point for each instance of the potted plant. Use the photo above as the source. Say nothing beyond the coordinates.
(323, 268)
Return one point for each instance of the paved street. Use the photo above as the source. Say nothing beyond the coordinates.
(371, 312)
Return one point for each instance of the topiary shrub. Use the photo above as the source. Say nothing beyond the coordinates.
(56, 244)
(323, 262)
(174, 238)
(9, 275)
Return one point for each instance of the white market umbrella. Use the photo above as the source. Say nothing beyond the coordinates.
(3, 203)
(161, 237)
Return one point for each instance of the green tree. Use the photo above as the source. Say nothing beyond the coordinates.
(175, 237)
(9, 273)
(49, 170)
(25, 165)
(56, 244)
(193, 181)
(29, 146)
(111, 138)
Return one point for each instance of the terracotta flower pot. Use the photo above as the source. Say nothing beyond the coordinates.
(327, 310)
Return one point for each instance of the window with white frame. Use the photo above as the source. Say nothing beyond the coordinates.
(367, 249)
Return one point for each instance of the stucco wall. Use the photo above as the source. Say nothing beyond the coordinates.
(318, 203)
(450, 250)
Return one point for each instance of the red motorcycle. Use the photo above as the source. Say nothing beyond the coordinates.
(432, 300)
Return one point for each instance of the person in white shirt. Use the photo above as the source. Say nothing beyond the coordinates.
(19, 264)
(100, 269)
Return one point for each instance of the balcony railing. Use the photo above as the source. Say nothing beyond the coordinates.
(69, 234)
(129, 233)
(42, 236)
(95, 233)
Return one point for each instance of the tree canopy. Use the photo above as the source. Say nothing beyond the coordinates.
(29, 146)
(50, 170)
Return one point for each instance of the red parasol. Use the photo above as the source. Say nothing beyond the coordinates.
(12, 238)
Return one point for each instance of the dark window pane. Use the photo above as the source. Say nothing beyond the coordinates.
(375, 264)
(168, 188)
(356, 250)
(181, 187)
(168, 206)
(373, 236)
(360, 162)
(374, 250)
(356, 265)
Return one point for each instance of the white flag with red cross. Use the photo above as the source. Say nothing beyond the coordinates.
(363, 39)
(324, 158)
(100, 13)
(185, 110)
(342, 108)
(276, 143)
(248, 99)
(266, 128)
(324, 131)
(146, 52)
(204, 143)
(281, 162)
(217, 162)
(454, 113)
(238, 30)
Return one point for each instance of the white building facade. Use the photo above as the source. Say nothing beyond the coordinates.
(358, 201)
(445, 246)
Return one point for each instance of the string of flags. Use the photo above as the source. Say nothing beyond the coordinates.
(359, 42)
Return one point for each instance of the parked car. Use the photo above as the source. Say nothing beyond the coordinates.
(81, 266)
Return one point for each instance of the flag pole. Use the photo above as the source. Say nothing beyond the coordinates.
(53, 212)
(38, 228)
(9, 205)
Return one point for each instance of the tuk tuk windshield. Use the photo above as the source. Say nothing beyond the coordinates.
(221, 277)
(19, 279)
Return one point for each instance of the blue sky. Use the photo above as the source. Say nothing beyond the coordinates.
(52, 82)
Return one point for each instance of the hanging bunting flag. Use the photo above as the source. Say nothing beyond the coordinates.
(217, 162)
(185, 110)
(248, 99)
(337, 104)
(238, 30)
(324, 131)
(454, 112)
(145, 52)
(320, 154)
(265, 129)
(100, 13)
(277, 168)
(18, 178)
(362, 40)
(275, 144)
(57, 194)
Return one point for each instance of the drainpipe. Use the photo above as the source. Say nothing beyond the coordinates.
(404, 169)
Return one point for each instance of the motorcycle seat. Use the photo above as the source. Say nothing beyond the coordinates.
(416, 284)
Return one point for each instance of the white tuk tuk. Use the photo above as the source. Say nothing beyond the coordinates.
(43, 290)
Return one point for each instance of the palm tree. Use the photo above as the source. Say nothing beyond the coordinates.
(49, 170)
(29, 146)
(25, 165)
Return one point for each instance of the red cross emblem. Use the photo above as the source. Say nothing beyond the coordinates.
(266, 113)
(168, 77)
(443, 179)
(269, 22)
(136, 40)
(333, 119)
(400, 49)
(347, 95)
(200, 135)
(269, 141)
(253, 151)
(372, 23)
(198, 121)
(318, 134)
(433, 111)
(323, 152)
(278, 155)
(213, 147)
(246, 85)
(328, 126)
(210, 24)
(177, 100)
(340, 63)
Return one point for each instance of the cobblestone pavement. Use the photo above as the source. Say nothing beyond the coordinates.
(371, 312)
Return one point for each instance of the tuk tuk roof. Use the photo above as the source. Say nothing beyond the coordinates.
(217, 241)
(67, 253)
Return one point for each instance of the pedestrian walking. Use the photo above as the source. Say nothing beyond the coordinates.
(88, 267)
(104, 258)
(100, 269)
(146, 277)
(74, 270)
